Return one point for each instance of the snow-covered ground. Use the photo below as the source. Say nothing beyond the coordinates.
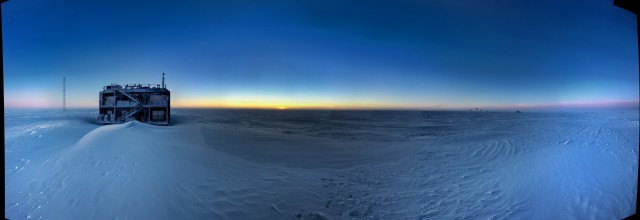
(261, 164)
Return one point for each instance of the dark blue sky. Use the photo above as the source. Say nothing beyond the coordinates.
(321, 54)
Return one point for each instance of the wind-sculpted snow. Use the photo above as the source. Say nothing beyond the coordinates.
(260, 164)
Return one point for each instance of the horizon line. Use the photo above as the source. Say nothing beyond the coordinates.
(635, 106)
(613, 104)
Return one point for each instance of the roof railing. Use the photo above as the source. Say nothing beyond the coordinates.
(142, 86)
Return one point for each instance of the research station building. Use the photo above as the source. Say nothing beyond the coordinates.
(147, 103)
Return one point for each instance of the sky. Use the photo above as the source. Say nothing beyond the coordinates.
(406, 54)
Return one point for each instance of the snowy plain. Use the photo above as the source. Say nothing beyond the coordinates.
(273, 164)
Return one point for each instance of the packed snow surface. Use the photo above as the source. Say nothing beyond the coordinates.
(262, 164)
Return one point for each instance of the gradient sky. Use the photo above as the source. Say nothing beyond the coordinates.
(325, 54)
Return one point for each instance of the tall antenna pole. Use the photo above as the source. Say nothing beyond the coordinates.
(64, 95)
(163, 80)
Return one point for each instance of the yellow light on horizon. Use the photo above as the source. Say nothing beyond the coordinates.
(284, 103)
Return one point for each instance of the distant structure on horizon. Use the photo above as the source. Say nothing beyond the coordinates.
(147, 103)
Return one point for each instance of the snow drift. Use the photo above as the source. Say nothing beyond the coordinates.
(241, 164)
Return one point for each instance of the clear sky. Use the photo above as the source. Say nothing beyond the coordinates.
(416, 54)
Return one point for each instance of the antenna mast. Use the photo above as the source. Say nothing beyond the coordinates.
(64, 95)
(163, 81)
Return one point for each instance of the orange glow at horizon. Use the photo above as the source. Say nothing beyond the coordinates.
(194, 103)
(258, 103)
(282, 105)
(292, 104)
